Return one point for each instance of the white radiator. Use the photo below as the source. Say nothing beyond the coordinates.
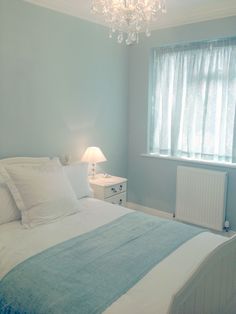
(201, 197)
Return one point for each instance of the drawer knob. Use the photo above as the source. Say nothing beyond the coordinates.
(120, 202)
(121, 187)
(114, 190)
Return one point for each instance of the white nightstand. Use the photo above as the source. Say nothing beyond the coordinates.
(111, 189)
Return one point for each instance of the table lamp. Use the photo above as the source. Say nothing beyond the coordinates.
(93, 155)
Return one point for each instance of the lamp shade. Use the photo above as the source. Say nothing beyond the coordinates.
(93, 155)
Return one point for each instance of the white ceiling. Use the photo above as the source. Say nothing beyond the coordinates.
(179, 12)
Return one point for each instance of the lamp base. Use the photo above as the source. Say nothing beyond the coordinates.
(93, 171)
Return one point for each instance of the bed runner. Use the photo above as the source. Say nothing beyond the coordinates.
(88, 273)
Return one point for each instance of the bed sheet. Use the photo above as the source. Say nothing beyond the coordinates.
(152, 294)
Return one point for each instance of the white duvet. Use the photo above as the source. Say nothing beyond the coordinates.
(153, 294)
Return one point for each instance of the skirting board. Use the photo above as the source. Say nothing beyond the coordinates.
(150, 211)
(162, 214)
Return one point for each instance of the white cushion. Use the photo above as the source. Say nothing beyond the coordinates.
(41, 192)
(23, 160)
(8, 209)
(78, 176)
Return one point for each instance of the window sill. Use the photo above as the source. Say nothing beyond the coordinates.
(202, 162)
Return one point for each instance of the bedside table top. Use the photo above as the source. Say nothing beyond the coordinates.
(103, 181)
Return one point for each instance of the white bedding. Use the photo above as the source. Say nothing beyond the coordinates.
(153, 294)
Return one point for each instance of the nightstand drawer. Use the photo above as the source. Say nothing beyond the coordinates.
(115, 189)
(119, 199)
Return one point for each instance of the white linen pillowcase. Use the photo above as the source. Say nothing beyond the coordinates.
(24, 160)
(42, 192)
(77, 174)
(8, 209)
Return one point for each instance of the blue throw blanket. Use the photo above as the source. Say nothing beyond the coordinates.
(88, 273)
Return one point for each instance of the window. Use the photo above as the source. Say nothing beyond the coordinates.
(193, 101)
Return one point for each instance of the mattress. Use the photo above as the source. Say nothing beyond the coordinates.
(152, 294)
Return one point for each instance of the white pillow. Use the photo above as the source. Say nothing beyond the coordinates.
(8, 209)
(24, 160)
(41, 192)
(78, 176)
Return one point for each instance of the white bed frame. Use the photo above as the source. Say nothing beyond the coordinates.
(212, 288)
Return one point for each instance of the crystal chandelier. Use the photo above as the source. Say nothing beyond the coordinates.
(127, 18)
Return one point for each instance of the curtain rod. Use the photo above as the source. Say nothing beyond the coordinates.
(194, 44)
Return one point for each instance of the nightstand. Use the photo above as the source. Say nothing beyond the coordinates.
(111, 189)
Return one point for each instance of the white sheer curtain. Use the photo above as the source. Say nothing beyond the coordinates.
(193, 101)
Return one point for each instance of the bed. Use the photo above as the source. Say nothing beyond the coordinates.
(198, 276)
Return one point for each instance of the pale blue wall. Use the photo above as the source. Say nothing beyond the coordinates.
(63, 86)
(152, 181)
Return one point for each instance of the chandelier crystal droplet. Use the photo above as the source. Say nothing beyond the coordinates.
(127, 18)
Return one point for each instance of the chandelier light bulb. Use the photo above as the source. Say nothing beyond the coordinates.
(128, 18)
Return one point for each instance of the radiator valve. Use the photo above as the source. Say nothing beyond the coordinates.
(227, 226)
